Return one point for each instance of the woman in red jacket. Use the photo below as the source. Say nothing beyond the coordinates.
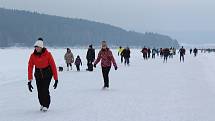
(45, 68)
(106, 57)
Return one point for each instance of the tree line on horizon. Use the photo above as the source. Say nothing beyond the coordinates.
(22, 28)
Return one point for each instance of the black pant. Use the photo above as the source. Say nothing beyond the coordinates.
(165, 58)
(105, 73)
(126, 60)
(78, 67)
(121, 58)
(43, 78)
(69, 64)
(182, 57)
(89, 65)
(144, 56)
(149, 55)
(153, 55)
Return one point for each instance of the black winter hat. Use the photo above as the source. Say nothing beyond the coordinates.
(40, 38)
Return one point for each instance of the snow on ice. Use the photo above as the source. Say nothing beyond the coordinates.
(145, 91)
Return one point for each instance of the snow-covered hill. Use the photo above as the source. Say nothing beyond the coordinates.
(146, 91)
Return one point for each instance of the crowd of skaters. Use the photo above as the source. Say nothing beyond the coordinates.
(125, 54)
(42, 61)
(166, 53)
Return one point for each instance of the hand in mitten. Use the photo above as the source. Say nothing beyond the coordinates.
(115, 67)
(30, 87)
(55, 84)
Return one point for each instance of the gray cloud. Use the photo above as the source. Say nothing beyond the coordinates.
(171, 17)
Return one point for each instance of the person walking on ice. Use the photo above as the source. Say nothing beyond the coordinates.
(144, 51)
(69, 58)
(106, 57)
(78, 63)
(195, 51)
(90, 58)
(166, 53)
(182, 53)
(120, 53)
(45, 68)
(153, 53)
(126, 53)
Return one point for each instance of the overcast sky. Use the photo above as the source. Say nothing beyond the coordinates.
(188, 21)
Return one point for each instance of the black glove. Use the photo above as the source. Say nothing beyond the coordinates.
(115, 67)
(30, 87)
(55, 84)
(94, 65)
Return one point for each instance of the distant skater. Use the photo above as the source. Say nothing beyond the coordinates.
(154, 51)
(69, 58)
(120, 53)
(145, 51)
(78, 62)
(90, 58)
(149, 52)
(126, 53)
(191, 50)
(166, 53)
(195, 51)
(182, 53)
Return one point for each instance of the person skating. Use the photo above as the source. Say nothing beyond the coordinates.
(45, 68)
(106, 57)
(153, 52)
(78, 62)
(182, 53)
(69, 58)
(191, 50)
(195, 51)
(126, 54)
(166, 53)
(90, 58)
(120, 53)
(171, 52)
(144, 51)
(149, 52)
(161, 52)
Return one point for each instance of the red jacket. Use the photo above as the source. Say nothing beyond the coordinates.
(106, 57)
(41, 61)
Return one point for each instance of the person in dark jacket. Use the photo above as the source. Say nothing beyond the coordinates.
(45, 68)
(78, 63)
(191, 50)
(90, 58)
(149, 52)
(153, 52)
(161, 52)
(106, 57)
(126, 54)
(144, 51)
(182, 53)
(195, 51)
(166, 53)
